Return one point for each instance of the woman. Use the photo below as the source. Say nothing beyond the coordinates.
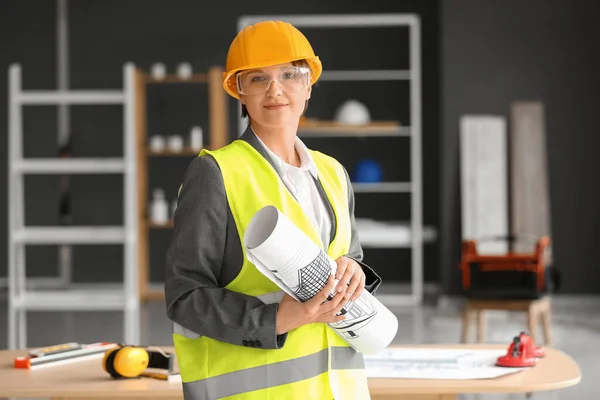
(236, 335)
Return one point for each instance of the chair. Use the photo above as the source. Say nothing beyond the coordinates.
(508, 282)
(538, 310)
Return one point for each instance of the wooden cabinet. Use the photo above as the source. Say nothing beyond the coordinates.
(216, 136)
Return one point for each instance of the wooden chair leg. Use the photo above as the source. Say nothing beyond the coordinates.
(532, 321)
(466, 324)
(546, 324)
(481, 326)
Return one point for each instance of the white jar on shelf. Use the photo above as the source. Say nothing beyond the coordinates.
(159, 208)
(196, 138)
(175, 143)
(159, 71)
(157, 143)
(184, 70)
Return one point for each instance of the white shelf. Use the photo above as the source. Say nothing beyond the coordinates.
(380, 234)
(88, 300)
(335, 20)
(352, 130)
(366, 75)
(44, 294)
(382, 187)
(71, 235)
(72, 166)
(43, 282)
(71, 97)
(374, 234)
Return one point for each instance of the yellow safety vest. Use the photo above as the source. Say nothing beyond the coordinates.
(314, 363)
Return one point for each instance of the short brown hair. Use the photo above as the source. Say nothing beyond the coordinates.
(299, 63)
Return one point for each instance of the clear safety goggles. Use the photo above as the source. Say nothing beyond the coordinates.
(291, 79)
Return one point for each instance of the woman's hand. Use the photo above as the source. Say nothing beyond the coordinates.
(351, 277)
(292, 314)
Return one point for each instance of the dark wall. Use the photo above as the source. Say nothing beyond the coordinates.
(494, 52)
(491, 53)
(26, 36)
(106, 34)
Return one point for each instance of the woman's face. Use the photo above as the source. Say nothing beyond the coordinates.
(275, 96)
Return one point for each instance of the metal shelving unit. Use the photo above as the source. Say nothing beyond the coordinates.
(21, 297)
(377, 234)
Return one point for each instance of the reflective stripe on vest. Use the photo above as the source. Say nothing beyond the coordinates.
(271, 298)
(270, 375)
(185, 331)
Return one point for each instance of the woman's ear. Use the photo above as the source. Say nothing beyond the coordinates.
(308, 92)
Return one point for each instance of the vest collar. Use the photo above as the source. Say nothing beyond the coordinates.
(251, 138)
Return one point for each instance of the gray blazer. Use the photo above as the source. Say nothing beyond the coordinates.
(206, 254)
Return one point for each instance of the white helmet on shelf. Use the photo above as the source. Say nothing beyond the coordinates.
(352, 112)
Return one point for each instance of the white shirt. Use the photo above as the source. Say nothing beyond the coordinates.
(300, 181)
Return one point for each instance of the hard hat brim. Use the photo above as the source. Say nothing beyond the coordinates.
(230, 85)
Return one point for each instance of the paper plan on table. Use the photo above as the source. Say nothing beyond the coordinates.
(419, 363)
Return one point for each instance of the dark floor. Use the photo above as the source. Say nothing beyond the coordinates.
(576, 331)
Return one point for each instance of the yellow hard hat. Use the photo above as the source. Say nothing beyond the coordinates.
(267, 43)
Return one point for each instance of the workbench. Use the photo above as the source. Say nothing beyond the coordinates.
(87, 380)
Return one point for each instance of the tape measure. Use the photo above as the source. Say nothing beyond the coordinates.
(124, 361)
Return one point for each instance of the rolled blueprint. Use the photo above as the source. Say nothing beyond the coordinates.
(287, 256)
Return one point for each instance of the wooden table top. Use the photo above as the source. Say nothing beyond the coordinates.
(87, 379)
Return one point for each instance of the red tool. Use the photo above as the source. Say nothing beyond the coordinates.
(536, 351)
(521, 353)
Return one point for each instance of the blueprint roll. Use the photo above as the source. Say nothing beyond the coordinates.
(287, 256)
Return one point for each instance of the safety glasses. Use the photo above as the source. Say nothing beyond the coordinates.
(291, 79)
